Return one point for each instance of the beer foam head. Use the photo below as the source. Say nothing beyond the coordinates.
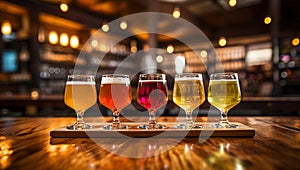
(188, 78)
(80, 83)
(164, 81)
(115, 80)
(223, 80)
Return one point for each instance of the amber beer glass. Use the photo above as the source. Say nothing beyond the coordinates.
(115, 94)
(80, 95)
(188, 93)
(152, 95)
(224, 93)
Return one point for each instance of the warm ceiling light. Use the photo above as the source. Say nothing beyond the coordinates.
(74, 41)
(64, 39)
(64, 7)
(203, 53)
(222, 41)
(295, 42)
(53, 37)
(133, 49)
(176, 12)
(267, 20)
(105, 28)
(123, 25)
(159, 59)
(170, 49)
(232, 3)
(6, 28)
(95, 43)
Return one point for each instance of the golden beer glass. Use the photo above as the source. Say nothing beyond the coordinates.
(80, 94)
(115, 94)
(224, 93)
(188, 93)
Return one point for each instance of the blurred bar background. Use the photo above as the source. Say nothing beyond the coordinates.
(41, 39)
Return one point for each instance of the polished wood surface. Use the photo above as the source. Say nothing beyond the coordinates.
(25, 143)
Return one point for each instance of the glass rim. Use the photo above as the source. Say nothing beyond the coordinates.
(155, 75)
(80, 75)
(146, 74)
(223, 73)
(224, 76)
(116, 75)
(188, 74)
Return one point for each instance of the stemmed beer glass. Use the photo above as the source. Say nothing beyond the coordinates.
(115, 94)
(188, 93)
(224, 93)
(80, 94)
(152, 95)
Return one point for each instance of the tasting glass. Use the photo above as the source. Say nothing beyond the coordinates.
(80, 94)
(152, 95)
(188, 93)
(115, 94)
(224, 93)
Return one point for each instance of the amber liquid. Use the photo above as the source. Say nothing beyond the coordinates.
(188, 94)
(115, 95)
(224, 94)
(80, 96)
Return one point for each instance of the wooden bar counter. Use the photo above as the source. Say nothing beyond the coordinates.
(25, 143)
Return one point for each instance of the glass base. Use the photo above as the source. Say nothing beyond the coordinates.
(226, 125)
(185, 126)
(147, 126)
(76, 127)
(111, 127)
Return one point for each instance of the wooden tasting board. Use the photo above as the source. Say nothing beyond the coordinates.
(207, 131)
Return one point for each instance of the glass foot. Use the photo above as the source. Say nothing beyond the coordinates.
(111, 127)
(232, 126)
(226, 125)
(185, 126)
(82, 127)
(147, 126)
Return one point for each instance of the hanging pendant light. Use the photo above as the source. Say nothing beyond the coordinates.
(6, 28)
(64, 7)
(53, 37)
(222, 41)
(176, 12)
(105, 28)
(64, 39)
(170, 48)
(74, 41)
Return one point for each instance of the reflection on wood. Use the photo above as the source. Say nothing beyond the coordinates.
(26, 144)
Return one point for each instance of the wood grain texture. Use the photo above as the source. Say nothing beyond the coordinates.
(25, 143)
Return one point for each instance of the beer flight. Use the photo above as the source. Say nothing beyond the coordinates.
(152, 93)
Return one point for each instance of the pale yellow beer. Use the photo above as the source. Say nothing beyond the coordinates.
(224, 94)
(188, 93)
(80, 95)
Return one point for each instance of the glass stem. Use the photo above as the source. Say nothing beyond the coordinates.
(224, 119)
(152, 119)
(80, 122)
(116, 120)
(189, 121)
